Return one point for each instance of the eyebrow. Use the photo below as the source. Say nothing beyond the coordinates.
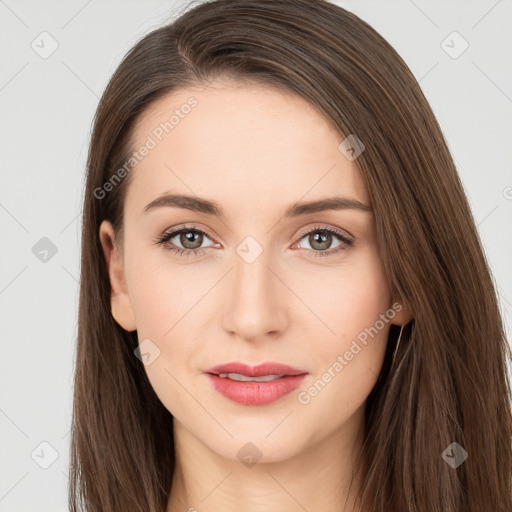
(208, 207)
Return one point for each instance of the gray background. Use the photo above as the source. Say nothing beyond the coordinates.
(46, 108)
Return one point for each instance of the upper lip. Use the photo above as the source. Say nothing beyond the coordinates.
(255, 371)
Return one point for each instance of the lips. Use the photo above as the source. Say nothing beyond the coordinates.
(256, 371)
(284, 380)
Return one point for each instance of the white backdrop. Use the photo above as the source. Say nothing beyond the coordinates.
(55, 61)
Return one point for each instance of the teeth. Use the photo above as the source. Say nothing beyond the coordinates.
(244, 378)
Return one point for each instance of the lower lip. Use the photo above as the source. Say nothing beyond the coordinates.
(256, 393)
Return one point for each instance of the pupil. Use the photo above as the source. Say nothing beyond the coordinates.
(322, 238)
(189, 237)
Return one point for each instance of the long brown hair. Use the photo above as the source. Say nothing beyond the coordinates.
(450, 380)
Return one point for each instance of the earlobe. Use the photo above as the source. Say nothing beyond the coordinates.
(122, 312)
(403, 314)
(121, 307)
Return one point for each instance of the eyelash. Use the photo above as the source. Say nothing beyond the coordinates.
(164, 239)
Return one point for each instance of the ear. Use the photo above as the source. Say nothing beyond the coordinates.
(120, 304)
(403, 314)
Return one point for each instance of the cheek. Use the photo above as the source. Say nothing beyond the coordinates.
(166, 298)
(160, 292)
(353, 304)
(349, 298)
(161, 309)
(347, 363)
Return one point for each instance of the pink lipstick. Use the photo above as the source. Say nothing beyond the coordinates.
(258, 385)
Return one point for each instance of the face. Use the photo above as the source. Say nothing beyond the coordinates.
(253, 285)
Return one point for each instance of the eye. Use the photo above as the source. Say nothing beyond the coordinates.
(320, 238)
(189, 237)
(189, 240)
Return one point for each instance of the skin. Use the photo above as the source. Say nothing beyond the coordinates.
(255, 151)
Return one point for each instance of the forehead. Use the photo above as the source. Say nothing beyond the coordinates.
(250, 142)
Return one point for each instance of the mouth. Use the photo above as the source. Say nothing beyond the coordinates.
(242, 371)
(257, 385)
(244, 378)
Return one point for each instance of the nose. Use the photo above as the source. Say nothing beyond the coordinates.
(256, 299)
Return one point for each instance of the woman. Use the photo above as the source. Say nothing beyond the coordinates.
(285, 304)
